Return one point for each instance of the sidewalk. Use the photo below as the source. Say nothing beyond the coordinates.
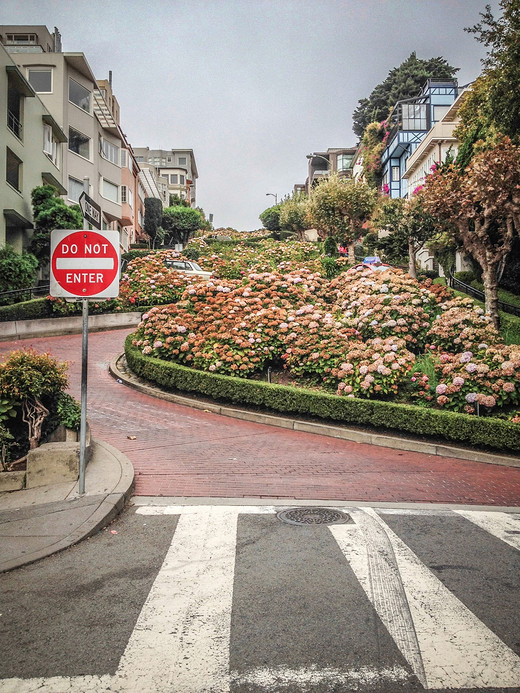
(37, 522)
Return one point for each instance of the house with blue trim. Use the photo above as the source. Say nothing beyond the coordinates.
(409, 122)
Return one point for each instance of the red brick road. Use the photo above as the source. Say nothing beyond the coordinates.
(180, 451)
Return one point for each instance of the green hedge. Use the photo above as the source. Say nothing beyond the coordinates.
(27, 310)
(485, 432)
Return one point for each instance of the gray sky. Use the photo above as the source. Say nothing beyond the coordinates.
(252, 86)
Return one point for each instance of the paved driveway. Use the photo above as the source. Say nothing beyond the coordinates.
(179, 451)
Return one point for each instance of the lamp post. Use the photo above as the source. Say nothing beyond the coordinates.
(275, 195)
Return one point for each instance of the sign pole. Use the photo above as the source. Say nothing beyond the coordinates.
(84, 370)
(85, 264)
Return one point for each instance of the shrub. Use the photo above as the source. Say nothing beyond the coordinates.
(17, 271)
(478, 432)
(34, 382)
(68, 411)
(466, 277)
(28, 310)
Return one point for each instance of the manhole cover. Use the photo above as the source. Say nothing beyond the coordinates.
(313, 516)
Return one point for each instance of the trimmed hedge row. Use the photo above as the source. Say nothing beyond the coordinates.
(27, 310)
(486, 432)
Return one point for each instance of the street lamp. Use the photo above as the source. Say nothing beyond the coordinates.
(275, 195)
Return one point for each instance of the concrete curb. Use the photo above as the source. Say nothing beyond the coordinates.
(345, 433)
(48, 327)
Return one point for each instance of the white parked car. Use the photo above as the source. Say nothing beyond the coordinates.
(188, 267)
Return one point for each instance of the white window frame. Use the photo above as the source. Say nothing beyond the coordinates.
(40, 69)
(125, 158)
(183, 161)
(109, 151)
(80, 188)
(114, 187)
(83, 135)
(50, 144)
(123, 194)
(86, 110)
(130, 197)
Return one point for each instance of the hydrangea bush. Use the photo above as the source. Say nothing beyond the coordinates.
(357, 335)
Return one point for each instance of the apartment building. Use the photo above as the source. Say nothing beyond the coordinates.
(438, 142)
(177, 166)
(409, 122)
(66, 85)
(132, 193)
(31, 152)
(322, 164)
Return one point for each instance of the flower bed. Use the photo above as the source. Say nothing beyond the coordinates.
(357, 336)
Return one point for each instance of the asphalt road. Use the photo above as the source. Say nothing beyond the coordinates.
(223, 599)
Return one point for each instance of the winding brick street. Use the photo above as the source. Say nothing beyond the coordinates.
(179, 451)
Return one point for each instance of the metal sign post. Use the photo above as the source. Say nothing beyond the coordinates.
(84, 264)
(84, 371)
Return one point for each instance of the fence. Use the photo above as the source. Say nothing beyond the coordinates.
(479, 295)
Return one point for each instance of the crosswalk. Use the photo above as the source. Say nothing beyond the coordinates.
(395, 600)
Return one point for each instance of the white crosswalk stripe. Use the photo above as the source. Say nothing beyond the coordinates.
(181, 641)
(445, 644)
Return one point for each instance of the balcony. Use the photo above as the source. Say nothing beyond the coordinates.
(14, 124)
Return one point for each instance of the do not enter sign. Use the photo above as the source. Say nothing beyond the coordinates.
(84, 264)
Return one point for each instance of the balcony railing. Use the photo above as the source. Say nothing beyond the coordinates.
(14, 124)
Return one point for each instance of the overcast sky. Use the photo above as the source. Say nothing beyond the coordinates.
(252, 86)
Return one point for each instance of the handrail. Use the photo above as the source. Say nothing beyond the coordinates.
(19, 295)
(479, 295)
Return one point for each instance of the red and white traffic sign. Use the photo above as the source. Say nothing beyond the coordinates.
(84, 264)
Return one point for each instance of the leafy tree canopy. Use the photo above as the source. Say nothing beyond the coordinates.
(339, 207)
(50, 212)
(270, 218)
(16, 271)
(153, 211)
(180, 223)
(492, 108)
(293, 215)
(403, 82)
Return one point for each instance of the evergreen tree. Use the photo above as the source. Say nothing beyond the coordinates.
(50, 212)
(403, 82)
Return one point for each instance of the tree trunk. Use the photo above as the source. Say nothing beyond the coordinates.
(411, 263)
(489, 277)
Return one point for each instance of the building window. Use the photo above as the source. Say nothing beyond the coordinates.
(50, 144)
(40, 79)
(344, 162)
(124, 158)
(13, 170)
(182, 179)
(21, 39)
(109, 151)
(414, 117)
(79, 143)
(182, 161)
(79, 95)
(174, 179)
(169, 159)
(395, 173)
(123, 193)
(110, 191)
(75, 189)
